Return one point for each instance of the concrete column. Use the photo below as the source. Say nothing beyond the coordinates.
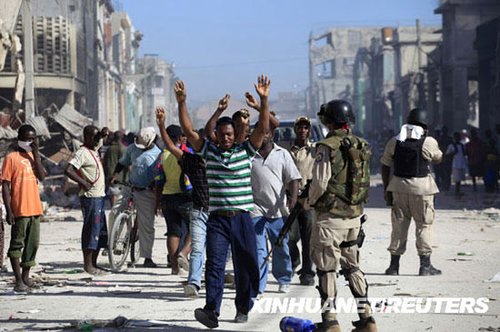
(460, 103)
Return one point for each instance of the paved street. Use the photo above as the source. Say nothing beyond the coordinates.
(71, 298)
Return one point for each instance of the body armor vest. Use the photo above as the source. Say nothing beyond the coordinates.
(408, 159)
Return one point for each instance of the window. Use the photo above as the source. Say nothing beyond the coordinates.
(326, 69)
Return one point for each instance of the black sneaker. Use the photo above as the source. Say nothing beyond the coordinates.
(206, 317)
(240, 318)
(148, 262)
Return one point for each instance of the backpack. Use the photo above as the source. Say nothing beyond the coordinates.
(352, 181)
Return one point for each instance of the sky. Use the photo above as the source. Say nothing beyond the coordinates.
(221, 46)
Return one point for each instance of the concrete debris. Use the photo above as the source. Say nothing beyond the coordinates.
(495, 278)
(380, 284)
(492, 213)
(117, 290)
(32, 311)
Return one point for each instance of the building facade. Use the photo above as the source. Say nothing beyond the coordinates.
(458, 68)
(158, 89)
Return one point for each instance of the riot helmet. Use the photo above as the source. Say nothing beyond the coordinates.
(336, 111)
(418, 117)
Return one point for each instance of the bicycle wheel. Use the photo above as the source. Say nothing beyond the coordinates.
(119, 241)
(134, 246)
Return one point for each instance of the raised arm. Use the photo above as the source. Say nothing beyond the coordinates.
(262, 89)
(210, 126)
(184, 119)
(160, 121)
(252, 102)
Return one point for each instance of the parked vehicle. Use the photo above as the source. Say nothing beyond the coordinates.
(284, 135)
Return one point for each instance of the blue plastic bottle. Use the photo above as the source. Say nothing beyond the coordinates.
(292, 324)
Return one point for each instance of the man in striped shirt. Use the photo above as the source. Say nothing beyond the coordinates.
(230, 202)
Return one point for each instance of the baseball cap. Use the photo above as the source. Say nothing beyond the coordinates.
(302, 119)
(145, 137)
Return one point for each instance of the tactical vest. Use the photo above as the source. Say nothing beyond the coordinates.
(349, 183)
(408, 159)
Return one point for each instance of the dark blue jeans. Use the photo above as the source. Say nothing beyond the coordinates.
(94, 231)
(239, 232)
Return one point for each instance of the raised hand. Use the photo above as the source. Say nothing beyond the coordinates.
(223, 102)
(180, 91)
(160, 115)
(262, 86)
(251, 101)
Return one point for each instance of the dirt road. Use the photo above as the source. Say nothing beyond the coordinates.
(72, 299)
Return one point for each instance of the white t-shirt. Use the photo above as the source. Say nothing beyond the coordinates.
(88, 163)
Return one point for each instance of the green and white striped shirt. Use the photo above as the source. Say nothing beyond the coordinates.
(229, 176)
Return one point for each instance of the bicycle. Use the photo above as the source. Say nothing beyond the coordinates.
(124, 237)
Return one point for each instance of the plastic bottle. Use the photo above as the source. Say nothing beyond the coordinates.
(292, 324)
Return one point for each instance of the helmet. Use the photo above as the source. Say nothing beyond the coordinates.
(336, 111)
(417, 116)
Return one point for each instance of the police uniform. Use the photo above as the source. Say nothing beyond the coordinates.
(336, 222)
(413, 189)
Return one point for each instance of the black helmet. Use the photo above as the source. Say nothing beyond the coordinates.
(417, 116)
(336, 111)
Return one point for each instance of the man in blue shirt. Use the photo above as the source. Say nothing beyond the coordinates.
(141, 158)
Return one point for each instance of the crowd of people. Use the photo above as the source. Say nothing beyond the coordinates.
(464, 155)
(226, 190)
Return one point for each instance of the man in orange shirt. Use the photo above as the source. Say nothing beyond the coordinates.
(21, 171)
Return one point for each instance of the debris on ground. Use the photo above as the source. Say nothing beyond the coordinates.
(495, 278)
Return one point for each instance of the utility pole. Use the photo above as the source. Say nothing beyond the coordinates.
(311, 107)
(419, 46)
(29, 96)
(421, 102)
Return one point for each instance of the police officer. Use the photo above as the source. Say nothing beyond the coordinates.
(335, 232)
(411, 189)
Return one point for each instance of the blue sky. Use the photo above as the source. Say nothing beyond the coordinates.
(220, 46)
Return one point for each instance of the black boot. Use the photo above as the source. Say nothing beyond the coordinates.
(393, 269)
(426, 268)
(365, 325)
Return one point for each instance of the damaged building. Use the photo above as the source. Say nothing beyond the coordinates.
(389, 78)
(378, 70)
(65, 64)
(459, 63)
(85, 55)
(331, 63)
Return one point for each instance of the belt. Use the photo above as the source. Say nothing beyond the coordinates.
(227, 213)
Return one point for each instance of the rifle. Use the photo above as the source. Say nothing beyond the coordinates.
(297, 209)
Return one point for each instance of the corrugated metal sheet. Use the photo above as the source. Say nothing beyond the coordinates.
(40, 125)
(7, 133)
(71, 120)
